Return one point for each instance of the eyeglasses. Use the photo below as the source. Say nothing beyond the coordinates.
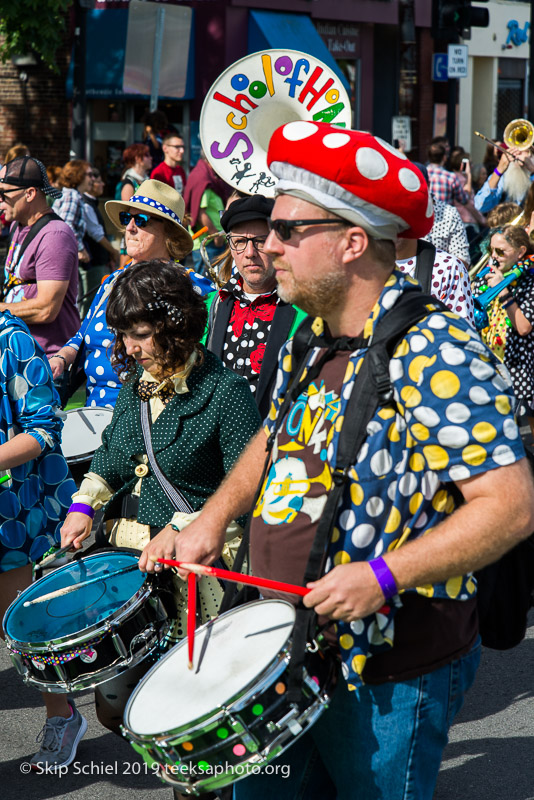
(141, 220)
(240, 243)
(3, 192)
(498, 252)
(177, 146)
(283, 227)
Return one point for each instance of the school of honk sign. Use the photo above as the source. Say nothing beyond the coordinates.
(255, 96)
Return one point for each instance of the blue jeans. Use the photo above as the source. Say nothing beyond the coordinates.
(381, 742)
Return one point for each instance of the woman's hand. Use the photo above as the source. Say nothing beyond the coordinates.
(495, 277)
(196, 544)
(76, 528)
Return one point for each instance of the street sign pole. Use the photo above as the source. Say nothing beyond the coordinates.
(451, 110)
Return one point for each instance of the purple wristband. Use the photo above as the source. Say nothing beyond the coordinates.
(384, 576)
(496, 171)
(82, 508)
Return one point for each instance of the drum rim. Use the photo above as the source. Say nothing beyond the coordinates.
(144, 591)
(280, 659)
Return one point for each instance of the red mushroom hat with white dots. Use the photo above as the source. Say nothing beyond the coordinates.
(354, 174)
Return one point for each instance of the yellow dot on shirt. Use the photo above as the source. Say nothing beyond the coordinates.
(502, 404)
(418, 364)
(444, 384)
(348, 372)
(335, 535)
(286, 363)
(341, 558)
(346, 641)
(474, 454)
(429, 335)
(410, 396)
(393, 433)
(458, 333)
(417, 462)
(453, 586)
(394, 520)
(356, 494)
(436, 456)
(484, 432)
(386, 413)
(358, 663)
(439, 501)
(415, 502)
(426, 591)
(420, 432)
(402, 350)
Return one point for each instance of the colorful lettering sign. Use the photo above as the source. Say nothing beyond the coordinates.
(255, 96)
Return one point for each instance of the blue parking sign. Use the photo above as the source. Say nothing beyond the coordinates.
(440, 67)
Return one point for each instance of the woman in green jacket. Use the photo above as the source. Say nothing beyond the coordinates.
(201, 416)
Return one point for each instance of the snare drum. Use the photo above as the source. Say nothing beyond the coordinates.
(82, 433)
(81, 639)
(208, 727)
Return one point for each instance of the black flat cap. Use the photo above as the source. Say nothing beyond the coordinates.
(246, 209)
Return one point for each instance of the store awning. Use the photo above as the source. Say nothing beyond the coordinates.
(105, 55)
(274, 30)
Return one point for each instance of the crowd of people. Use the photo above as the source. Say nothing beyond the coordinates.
(243, 385)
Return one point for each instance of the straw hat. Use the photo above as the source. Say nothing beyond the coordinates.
(157, 199)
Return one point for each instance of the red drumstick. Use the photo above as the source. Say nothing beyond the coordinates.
(237, 577)
(191, 615)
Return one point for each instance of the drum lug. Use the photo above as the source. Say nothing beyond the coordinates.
(250, 741)
(61, 673)
(119, 645)
(19, 665)
(288, 721)
(144, 638)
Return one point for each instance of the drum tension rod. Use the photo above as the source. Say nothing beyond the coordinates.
(239, 727)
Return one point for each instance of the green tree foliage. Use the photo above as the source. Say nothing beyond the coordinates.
(36, 26)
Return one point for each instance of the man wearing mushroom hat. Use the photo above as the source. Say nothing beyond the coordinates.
(397, 573)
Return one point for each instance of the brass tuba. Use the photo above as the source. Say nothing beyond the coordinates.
(519, 133)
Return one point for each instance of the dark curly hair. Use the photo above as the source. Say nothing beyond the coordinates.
(162, 294)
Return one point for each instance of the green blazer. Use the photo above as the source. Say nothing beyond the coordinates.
(196, 439)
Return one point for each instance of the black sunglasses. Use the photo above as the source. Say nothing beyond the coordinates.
(3, 192)
(283, 227)
(141, 220)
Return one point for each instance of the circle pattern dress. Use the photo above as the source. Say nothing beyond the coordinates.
(35, 498)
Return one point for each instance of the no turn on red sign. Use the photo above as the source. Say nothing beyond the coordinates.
(457, 60)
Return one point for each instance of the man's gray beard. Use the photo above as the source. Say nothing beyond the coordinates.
(516, 182)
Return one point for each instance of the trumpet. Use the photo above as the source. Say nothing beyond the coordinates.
(482, 302)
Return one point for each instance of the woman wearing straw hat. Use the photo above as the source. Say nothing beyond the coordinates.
(152, 223)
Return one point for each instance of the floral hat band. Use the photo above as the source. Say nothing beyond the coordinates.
(148, 201)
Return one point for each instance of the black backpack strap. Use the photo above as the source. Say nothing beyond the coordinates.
(372, 388)
(426, 255)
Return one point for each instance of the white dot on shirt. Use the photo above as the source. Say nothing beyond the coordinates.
(99, 326)
(260, 335)
(99, 370)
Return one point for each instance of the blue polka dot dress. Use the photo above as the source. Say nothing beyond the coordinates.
(35, 500)
(103, 383)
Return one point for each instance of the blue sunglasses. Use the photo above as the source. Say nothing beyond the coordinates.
(141, 220)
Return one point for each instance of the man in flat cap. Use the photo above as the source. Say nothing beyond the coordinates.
(394, 564)
(248, 321)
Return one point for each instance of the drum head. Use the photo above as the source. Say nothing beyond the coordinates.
(82, 432)
(73, 613)
(230, 654)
